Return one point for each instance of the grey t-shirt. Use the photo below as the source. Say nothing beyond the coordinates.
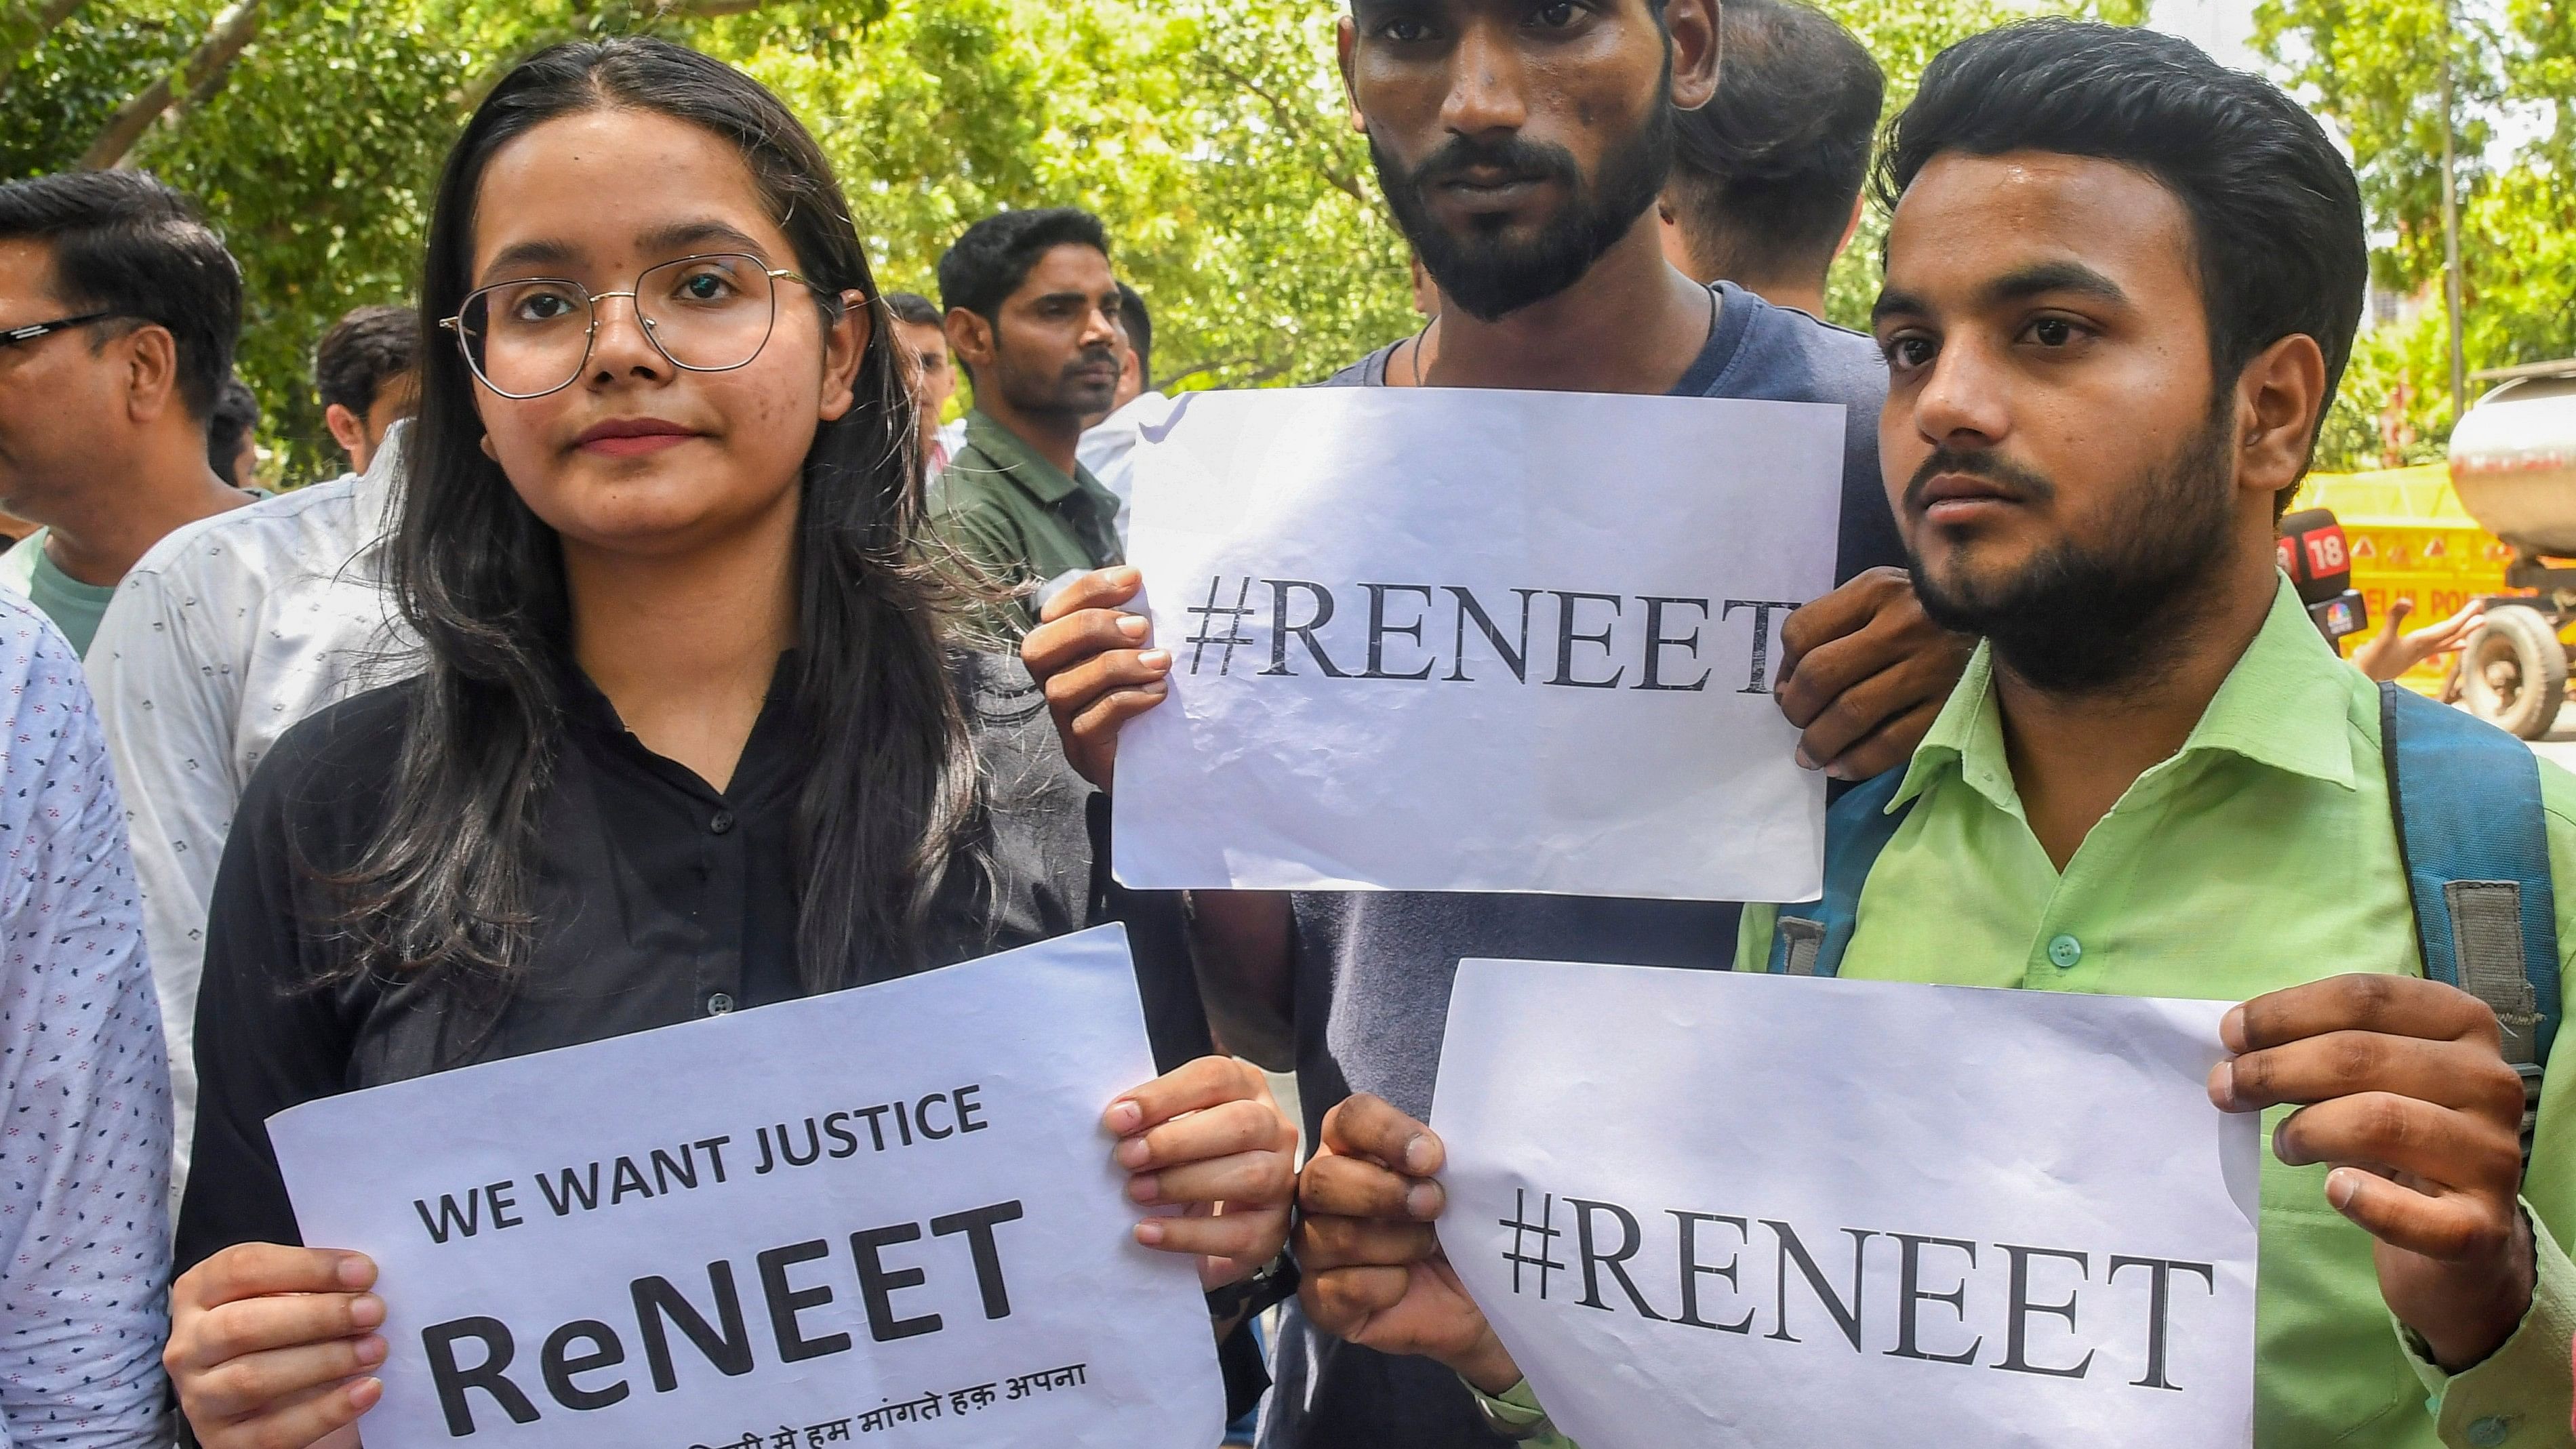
(1373, 969)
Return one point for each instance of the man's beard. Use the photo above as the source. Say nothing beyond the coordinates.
(2089, 618)
(1060, 396)
(1489, 277)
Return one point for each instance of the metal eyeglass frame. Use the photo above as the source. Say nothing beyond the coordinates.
(12, 336)
(590, 338)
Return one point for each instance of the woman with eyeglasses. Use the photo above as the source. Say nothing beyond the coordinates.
(690, 735)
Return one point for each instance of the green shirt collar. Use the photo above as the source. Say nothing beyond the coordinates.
(2283, 705)
(1003, 448)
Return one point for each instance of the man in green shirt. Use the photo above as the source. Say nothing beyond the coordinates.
(1033, 315)
(2120, 286)
(119, 309)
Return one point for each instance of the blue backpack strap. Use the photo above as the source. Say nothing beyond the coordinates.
(1810, 938)
(2475, 846)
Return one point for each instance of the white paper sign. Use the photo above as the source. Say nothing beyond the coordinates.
(885, 1215)
(1461, 639)
(1723, 1209)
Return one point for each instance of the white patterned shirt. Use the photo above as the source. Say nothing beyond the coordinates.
(85, 1150)
(223, 636)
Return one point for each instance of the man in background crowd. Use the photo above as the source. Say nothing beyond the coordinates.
(1033, 315)
(1767, 177)
(1108, 447)
(924, 345)
(119, 310)
(232, 441)
(365, 370)
(231, 630)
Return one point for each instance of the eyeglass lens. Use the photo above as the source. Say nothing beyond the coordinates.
(706, 314)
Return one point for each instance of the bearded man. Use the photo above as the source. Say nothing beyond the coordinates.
(1522, 149)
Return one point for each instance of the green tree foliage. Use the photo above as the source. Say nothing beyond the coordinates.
(2372, 67)
(1207, 134)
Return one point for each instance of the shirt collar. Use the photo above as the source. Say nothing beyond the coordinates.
(1043, 480)
(2285, 705)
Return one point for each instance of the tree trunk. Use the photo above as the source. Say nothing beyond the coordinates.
(21, 40)
(203, 73)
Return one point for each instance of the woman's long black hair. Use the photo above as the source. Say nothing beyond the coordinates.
(891, 793)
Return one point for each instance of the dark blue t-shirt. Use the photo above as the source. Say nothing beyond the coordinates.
(1373, 969)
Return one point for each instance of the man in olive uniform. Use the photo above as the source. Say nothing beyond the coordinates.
(1033, 314)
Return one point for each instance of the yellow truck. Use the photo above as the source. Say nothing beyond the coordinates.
(2513, 469)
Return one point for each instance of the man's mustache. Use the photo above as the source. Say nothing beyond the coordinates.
(1091, 357)
(1513, 155)
(2024, 484)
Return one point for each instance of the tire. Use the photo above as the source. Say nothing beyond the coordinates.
(2513, 673)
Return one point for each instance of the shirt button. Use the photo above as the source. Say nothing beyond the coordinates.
(719, 1004)
(2065, 951)
(722, 823)
(2489, 1432)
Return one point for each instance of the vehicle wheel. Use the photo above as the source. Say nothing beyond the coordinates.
(2513, 673)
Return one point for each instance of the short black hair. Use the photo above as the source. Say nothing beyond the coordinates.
(363, 351)
(235, 417)
(126, 244)
(2279, 241)
(1140, 330)
(912, 307)
(988, 263)
(1764, 175)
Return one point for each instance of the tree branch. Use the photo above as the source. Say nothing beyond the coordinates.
(1297, 124)
(23, 34)
(202, 72)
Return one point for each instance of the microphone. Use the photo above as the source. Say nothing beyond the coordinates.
(2314, 554)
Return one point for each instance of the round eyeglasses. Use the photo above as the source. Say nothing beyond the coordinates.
(710, 313)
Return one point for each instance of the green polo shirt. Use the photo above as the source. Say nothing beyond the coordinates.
(1021, 520)
(2260, 856)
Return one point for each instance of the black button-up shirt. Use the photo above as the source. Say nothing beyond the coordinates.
(658, 899)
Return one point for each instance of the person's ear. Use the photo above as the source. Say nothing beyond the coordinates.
(1692, 28)
(970, 336)
(349, 431)
(844, 345)
(151, 372)
(2279, 398)
(1346, 46)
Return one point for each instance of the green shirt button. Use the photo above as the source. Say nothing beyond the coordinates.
(2489, 1432)
(2065, 951)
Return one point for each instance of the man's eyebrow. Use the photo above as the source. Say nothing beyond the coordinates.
(2046, 277)
(1893, 303)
